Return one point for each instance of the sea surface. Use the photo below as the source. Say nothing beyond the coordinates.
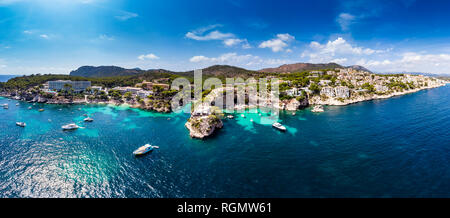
(397, 147)
(5, 78)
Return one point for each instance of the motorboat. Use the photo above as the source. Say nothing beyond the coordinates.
(40, 110)
(242, 115)
(71, 126)
(29, 108)
(88, 119)
(144, 149)
(279, 126)
(317, 108)
(21, 124)
(17, 104)
(230, 116)
(5, 106)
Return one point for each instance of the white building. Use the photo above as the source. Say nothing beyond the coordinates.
(144, 94)
(77, 86)
(127, 89)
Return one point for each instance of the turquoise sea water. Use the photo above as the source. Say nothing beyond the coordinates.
(398, 147)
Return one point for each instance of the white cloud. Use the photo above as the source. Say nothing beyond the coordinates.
(214, 35)
(278, 44)
(345, 20)
(234, 41)
(106, 37)
(150, 56)
(247, 60)
(44, 36)
(411, 62)
(126, 16)
(27, 32)
(338, 50)
(228, 39)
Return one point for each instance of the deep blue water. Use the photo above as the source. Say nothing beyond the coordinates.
(4, 78)
(398, 147)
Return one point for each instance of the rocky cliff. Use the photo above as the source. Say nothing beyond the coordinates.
(203, 126)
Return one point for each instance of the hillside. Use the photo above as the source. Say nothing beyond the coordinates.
(224, 71)
(300, 67)
(104, 71)
(358, 67)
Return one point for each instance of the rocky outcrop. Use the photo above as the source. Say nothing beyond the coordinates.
(295, 104)
(203, 126)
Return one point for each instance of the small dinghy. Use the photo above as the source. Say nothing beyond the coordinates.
(71, 126)
(21, 124)
(144, 149)
(29, 108)
(279, 126)
(88, 119)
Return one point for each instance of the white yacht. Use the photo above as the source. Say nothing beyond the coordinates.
(71, 126)
(317, 108)
(88, 119)
(144, 149)
(279, 126)
(21, 124)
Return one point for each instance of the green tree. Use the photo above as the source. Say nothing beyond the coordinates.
(315, 89)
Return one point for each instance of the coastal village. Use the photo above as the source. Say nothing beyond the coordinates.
(297, 90)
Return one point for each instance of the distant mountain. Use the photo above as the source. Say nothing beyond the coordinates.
(221, 71)
(358, 67)
(104, 71)
(299, 67)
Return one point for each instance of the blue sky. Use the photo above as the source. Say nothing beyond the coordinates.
(57, 36)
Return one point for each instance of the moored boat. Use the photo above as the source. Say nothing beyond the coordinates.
(5, 106)
(279, 126)
(40, 110)
(29, 108)
(21, 124)
(88, 119)
(71, 126)
(230, 116)
(144, 149)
